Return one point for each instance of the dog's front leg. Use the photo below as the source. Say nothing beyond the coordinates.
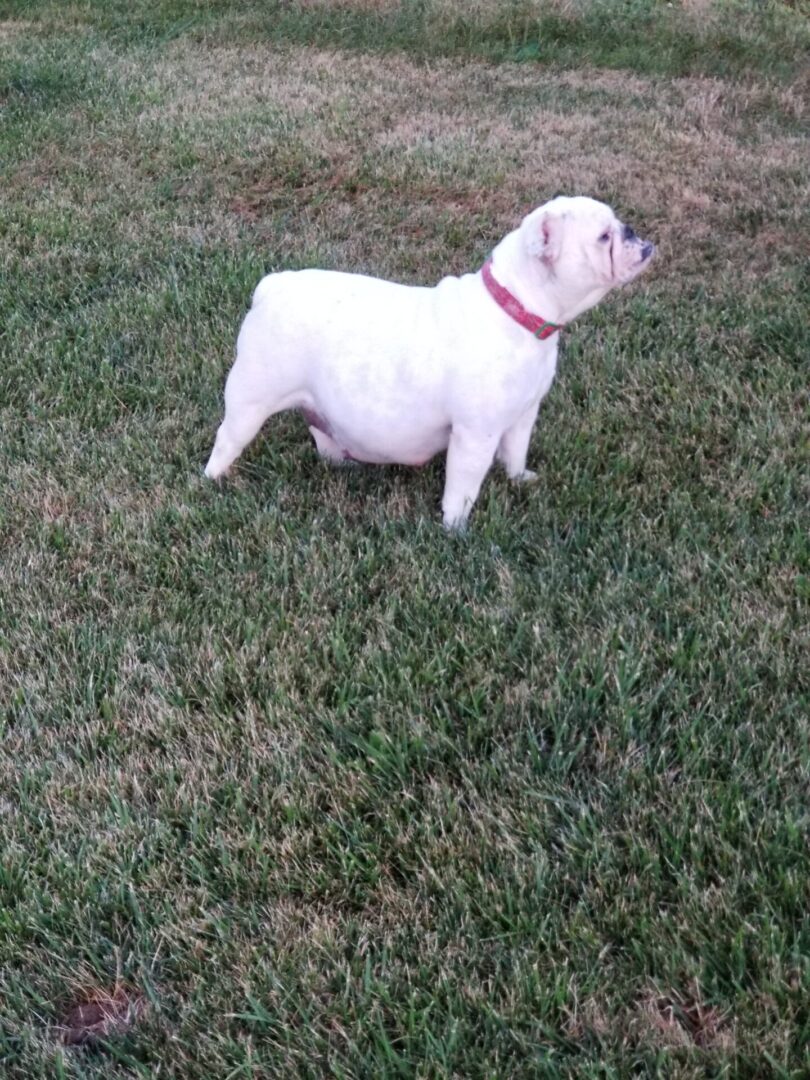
(469, 456)
(514, 446)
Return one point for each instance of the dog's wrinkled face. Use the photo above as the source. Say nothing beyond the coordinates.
(617, 254)
(585, 247)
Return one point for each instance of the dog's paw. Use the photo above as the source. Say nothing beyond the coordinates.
(455, 526)
(528, 476)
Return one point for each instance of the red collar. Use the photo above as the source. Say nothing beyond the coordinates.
(541, 328)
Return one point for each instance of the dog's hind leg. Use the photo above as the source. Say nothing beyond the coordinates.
(235, 432)
(256, 388)
(248, 403)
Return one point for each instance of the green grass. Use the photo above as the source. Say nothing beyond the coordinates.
(732, 37)
(325, 790)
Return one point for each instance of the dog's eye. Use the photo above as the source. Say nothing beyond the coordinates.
(603, 239)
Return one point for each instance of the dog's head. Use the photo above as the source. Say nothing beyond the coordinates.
(584, 249)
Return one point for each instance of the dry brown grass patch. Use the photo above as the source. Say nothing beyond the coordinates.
(347, 148)
(677, 1021)
(451, 136)
(13, 28)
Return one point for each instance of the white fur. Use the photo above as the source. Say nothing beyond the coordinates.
(395, 373)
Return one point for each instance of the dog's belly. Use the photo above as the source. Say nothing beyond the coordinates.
(377, 441)
(411, 453)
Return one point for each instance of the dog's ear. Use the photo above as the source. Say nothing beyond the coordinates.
(545, 239)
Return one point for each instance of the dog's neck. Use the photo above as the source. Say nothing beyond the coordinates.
(535, 284)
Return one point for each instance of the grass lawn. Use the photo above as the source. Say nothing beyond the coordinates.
(292, 783)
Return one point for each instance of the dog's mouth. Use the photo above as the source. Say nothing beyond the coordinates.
(646, 250)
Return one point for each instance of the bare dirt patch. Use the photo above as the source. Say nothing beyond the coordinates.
(100, 1015)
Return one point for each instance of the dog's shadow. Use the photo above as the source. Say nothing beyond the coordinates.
(282, 466)
(281, 472)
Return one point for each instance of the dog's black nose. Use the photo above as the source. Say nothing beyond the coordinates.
(628, 233)
(646, 251)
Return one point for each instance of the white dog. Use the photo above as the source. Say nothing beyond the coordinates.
(394, 373)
